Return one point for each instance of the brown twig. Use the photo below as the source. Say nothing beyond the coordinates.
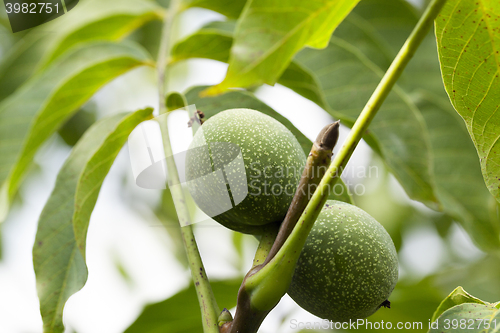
(247, 319)
(317, 163)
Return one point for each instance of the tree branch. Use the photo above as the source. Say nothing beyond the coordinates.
(317, 163)
(262, 289)
(248, 318)
(209, 309)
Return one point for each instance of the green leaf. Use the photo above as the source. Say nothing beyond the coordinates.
(74, 127)
(207, 43)
(174, 101)
(109, 20)
(347, 78)
(347, 72)
(214, 42)
(269, 33)
(58, 262)
(181, 312)
(97, 165)
(459, 185)
(468, 35)
(468, 317)
(34, 112)
(455, 178)
(227, 26)
(100, 21)
(479, 277)
(398, 127)
(240, 99)
(20, 63)
(456, 297)
(238, 243)
(230, 8)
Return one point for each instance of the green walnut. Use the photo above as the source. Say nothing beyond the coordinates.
(243, 168)
(348, 266)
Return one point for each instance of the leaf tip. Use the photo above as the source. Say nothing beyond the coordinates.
(212, 91)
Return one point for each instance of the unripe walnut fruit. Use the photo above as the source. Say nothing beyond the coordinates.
(243, 168)
(348, 266)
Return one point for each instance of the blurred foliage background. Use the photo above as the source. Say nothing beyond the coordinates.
(138, 274)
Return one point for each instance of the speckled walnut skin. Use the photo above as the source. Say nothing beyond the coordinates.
(348, 266)
(266, 147)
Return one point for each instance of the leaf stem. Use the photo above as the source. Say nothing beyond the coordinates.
(256, 300)
(272, 281)
(297, 238)
(164, 51)
(317, 163)
(209, 309)
(265, 244)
